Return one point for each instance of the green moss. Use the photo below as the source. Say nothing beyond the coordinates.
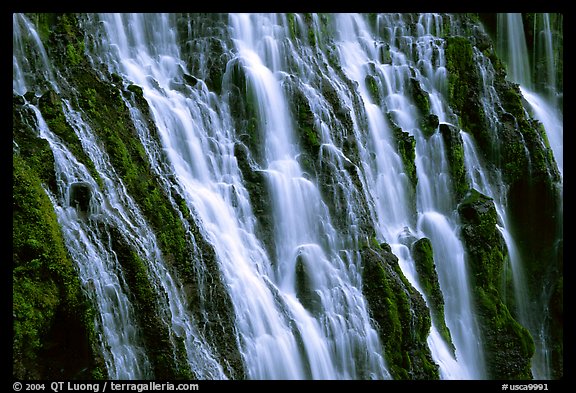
(420, 97)
(68, 40)
(44, 23)
(402, 318)
(31, 148)
(406, 144)
(425, 267)
(105, 111)
(509, 346)
(373, 89)
(110, 119)
(464, 87)
(116, 130)
(310, 25)
(74, 52)
(406, 148)
(455, 155)
(292, 28)
(50, 105)
(429, 124)
(459, 64)
(306, 130)
(309, 137)
(46, 290)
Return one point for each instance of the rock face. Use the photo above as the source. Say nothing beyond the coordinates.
(401, 314)
(509, 346)
(424, 261)
(80, 193)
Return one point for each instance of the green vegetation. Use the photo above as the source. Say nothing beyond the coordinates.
(509, 346)
(401, 315)
(517, 147)
(47, 297)
(424, 260)
(420, 97)
(407, 149)
(166, 363)
(455, 154)
(464, 87)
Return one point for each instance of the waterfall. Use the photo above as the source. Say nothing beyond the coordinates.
(387, 181)
(279, 338)
(303, 228)
(121, 345)
(286, 145)
(90, 248)
(512, 46)
(543, 102)
(543, 106)
(553, 122)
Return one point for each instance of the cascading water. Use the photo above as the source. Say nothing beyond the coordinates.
(98, 265)
(544, 102)
(301, 218)
(544, 107)
(552, 120)
(512, 45)
(327, 99)
(389, 188)
(279, 338)
(121, 345)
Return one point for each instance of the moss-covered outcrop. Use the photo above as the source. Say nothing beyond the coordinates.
(419, 96)
(425, 267)
(30, 147)
(208, 33)
(534, 198)
(401, 315)
(516, 145)
(406, 148)
(429, 124)
(305, 128)
(406, 144)
(309, 298)
(455, 154)
(464, 87)
(508, 345)
(53, 321)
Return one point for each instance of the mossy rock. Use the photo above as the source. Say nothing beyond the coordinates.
(47, 296)
(455, 154)
(426, 268)
(508, 345)
(400, 312)
(464, 87)
(429, 124)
